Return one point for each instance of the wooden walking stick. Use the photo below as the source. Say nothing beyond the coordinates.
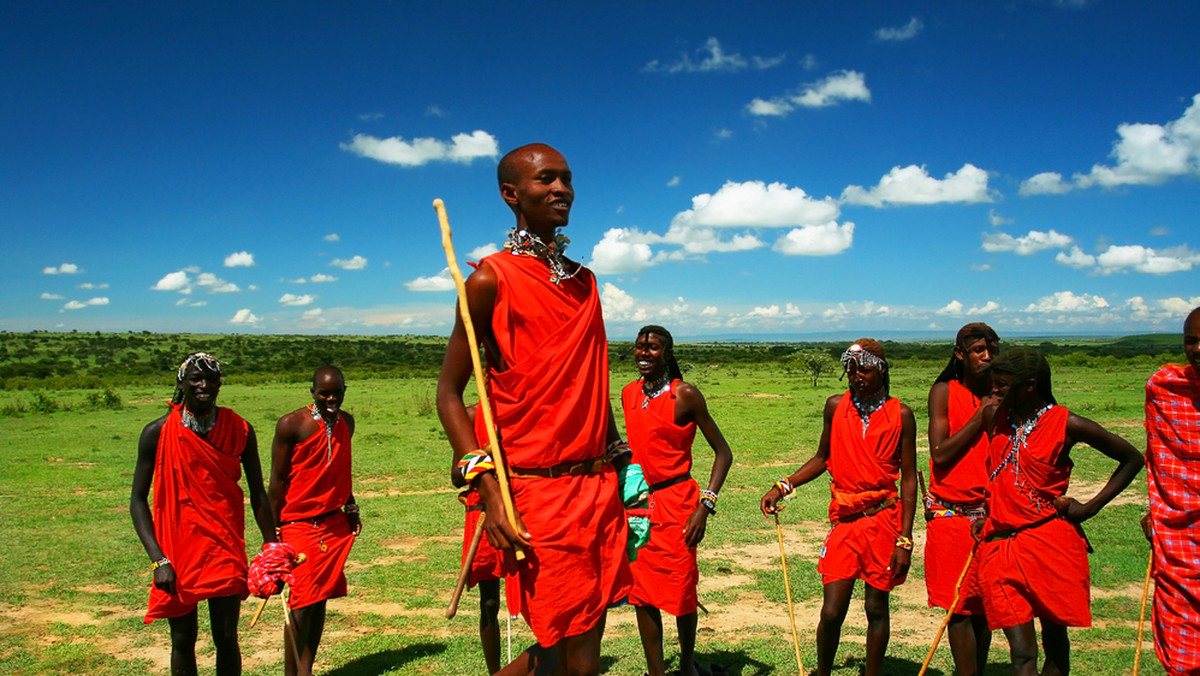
(1137, 654)
(466, 567)
(484, 405)
(300, 558)
(949, 613)
(787, 588)
(288, 628)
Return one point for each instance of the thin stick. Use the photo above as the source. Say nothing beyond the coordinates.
(289, 629)
(300, 558)
(465, 311)
(949, 613)
(1137, 654)
(466, 567)
(787, 587)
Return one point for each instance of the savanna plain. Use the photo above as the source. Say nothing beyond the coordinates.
(74, 578)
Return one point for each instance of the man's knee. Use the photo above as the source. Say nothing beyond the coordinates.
(876, 605)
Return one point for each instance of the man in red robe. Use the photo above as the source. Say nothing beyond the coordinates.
(957, 474)
(1173, 524)
(1033, 558)
(538, 317)
(193, 458)
(868, 441)
(314, 505)
(662, 414)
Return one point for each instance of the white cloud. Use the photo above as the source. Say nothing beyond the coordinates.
(997, 219)
(292, 299)
(435, 111)
(673, 182)
(953, 308)
(1067, 301)
(462, 148)
(245, 316)
(1025, 245)
(723, 133)
(482, 251)
(816, 240)
(442, 281)
(174, 281)
(712, 58)
(844, 85)
(1045, 183)
(312, 314)
(215, 284)
(759, 205)
(46, 295)
(332, 237)
(899, 34)
(90, 286)
(64, 269)
(355, 263)
(241, 259)
(1160, 230)
(986, 309)
(708, 311)
(913, 185)
(619, 305)
(186, 302)
(1178, 307)
(321, 278)
(1145, 260)
(621, 251)
(1076, 258)
(78, 305)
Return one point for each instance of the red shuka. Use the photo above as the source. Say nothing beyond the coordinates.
(665, 573)
(551, 406)
(1042, 570)
(199, 518)
(318, 485)
(948, 539)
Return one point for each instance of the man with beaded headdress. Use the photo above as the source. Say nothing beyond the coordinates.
(868, 442)
(193, 458)
(1173, 523)
(957, 474)
(538, 317)
(1033, 557)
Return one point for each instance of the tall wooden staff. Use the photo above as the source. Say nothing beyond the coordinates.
(1137, 654)
(787, 587)
(484, 405)
(949, 613)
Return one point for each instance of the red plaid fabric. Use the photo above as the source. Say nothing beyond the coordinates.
(1173, 476)
(271, 569)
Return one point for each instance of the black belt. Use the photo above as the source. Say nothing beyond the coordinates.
(312, 519)
(870, 511)
(667, 483)
(1010, 532)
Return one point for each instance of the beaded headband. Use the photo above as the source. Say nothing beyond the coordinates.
(202, 360)
(857, 354)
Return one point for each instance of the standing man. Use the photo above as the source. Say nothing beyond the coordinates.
(1173, 524)
(538, 317)
(193, 457)
(957, 475)
(314, 506)
(1033, 561)
(868, 441)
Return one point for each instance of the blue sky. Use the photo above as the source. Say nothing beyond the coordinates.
(753, 169)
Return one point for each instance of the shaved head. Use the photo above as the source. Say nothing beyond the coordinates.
(509, 169)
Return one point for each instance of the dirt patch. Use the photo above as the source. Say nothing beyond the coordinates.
(100, 589)
(763, 395)
(1084, 490)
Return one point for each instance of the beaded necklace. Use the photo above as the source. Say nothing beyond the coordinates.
(199, 425)
(1019, 441)
(868, 405)
(312, 408)
(653, 389)
(525, 243)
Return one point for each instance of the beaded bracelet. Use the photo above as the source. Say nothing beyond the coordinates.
(904, 543)
(164, 561)
(475, 463)
(351, 508)
(616, 449)
(784, 486)
(709, 500)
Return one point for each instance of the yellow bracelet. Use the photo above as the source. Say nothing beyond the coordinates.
(904, 543)
(164, 561)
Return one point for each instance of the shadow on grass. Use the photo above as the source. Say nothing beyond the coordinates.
(388, 660)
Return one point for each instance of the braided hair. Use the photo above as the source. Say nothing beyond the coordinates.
(668, 347)
(966, 335)
(1024, 364)
(202, 361)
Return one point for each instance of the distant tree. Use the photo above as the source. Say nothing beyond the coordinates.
(813, 362)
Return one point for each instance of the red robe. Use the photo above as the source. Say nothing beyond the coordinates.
(1173, 475)
(948, 539)
(551, 406)
(318, 486)
(1041, 570)
(863, 470)
(199, 517)
(665, 573)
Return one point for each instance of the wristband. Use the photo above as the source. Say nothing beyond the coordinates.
(475, 463)
(784, 486)
(351, 508)
(164, 561)
(904, 543)
(709, 500)
(616, 449)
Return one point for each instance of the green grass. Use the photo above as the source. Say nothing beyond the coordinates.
(73, 577)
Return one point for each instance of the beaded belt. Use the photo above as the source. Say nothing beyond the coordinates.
(870, 511)
(569, 468)
(936, 508)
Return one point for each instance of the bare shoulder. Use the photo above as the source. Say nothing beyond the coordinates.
(831, 403)
(153, 429)
(906, 414)
(940, 392)
(349, 421)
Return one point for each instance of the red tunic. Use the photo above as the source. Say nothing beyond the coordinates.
(199, 518)
(1173, 475)
(318, 485)
(948, 538)
(863, 470)
(665, 572)
(1028, 570)
(551, 406)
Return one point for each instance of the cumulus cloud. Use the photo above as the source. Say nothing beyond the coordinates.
(186, 302)
(708, 311)
(844, 85)
(482, 251)
(1143, 154)
(673, 182)
(1028, 244)
(816, 240)
(621, 251)
(619, 305)
(355, 263)
(900, 33)
(1076, 258)
(985, 309)
(997, 219)
(174, 281)
(90, 286)
(332, 237)
(215, 284)
(953, 308)
(321, 278)
(63, 269)
(712, 58)
(294, 300)
(46, 295)
(462, 148)
(1146, 260)
(913, 185)
(757, 204)
(245, 316)
(241, 259)
(80, 304)
(442, 281)
(1067, 301)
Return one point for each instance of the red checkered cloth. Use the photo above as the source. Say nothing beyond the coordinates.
(271, 569)
(1173, 476)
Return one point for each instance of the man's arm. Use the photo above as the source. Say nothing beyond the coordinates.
(810, 470)
(139, 505)
(1129, 463)
(690, 406)
(945, 448)
(352, 516)
(901, 557)
(282, 446)
(259, 503)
